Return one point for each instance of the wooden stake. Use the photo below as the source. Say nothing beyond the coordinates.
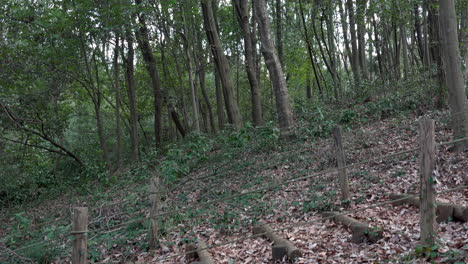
(154, 198)
(427, 193)
(80, 231)
(340, 157)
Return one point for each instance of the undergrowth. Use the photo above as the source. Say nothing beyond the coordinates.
(220, 154)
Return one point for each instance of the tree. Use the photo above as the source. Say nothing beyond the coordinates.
(242, 11)
(129, 62)
(221, 62)
(151, 67)
(273, 64)
(451, 61)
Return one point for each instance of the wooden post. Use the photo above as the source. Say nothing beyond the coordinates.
(154, 198)
(340, 157)
(80, 231)
(427, 193)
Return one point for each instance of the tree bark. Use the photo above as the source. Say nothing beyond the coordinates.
(344, 25)
(451, 61)
(361, 13)
(279, 30)
(151, 67)
(221, 62)
(242, 10)
(332, 45)
(131, 91)
(116, 68)
(219, 101)
(309, 48)
(354, 48)
(274, 67)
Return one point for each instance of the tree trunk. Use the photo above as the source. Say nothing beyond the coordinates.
(151, 67)
(116, 72)
(221, 62)
(242, 10)
(427, 58)
(219, 101)
(279, 30)
(354, 52)
(332, 45)
(344, 25)
(201, 77)
(434, 48)
(404, 49)
(131, 90)
(274, 67)
(451, 60)
(96, 96)
(310, 48)
(361, 13)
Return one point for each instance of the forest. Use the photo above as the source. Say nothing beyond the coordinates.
(233, 131)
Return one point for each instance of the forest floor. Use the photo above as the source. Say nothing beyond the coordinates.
(293, 203)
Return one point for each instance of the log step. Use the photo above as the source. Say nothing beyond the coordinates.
(281, 247)
(361, 231)
(444, 211)
(202, 254)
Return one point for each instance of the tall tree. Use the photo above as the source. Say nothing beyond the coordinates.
(221, 63)
(150, 61)
(451, 60)
(361, 32)
(279, 30)
(129, 62)
(116, 68)
(273, 64)
(354, 45)
(242, 11)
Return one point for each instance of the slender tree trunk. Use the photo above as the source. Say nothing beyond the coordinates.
(427, 58)
(201, 77)
(221, 62)
(116, 72)
(404, 49)
(279, 30)
(344, 25)
(451, 60)
(332, 45)
(354, 52)
(417, 27)
(361, 13)
(131, 90)
(94, 92)
(219, 101)
(463, 39)
(378, 48)
(309, 48)
(308, 87)
(274, 67)
(434, 48)
(242, 10)
(151, 67)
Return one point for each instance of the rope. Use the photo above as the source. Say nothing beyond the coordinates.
(305, 223)
(253, 191)
(271, 186)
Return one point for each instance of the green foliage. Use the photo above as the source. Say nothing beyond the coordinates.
(42, 254)
(428, 252)
(180, 158)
